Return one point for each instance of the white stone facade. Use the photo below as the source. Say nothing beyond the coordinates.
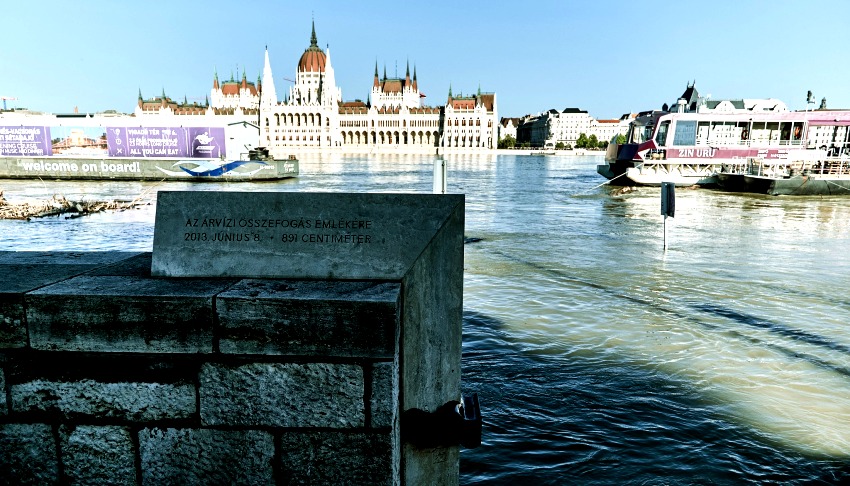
(550, 128)
(232, 94)
(313, 117)
(471, 122)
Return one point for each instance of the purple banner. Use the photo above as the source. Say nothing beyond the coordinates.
(32, 141)
(193, 142)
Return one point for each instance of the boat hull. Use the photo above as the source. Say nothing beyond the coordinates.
(731, 182)
(654, 174)
(615, 172)
(146, 169)
(797, 186)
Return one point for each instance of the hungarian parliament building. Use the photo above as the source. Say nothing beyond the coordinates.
(312, 117)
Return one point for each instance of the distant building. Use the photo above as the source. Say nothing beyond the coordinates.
(507, 128)
(233, 95)
(239, 98)
(607, 130)
(163, 105)
(554, 127)
(692, 102)
(470, 121)
(313, 116)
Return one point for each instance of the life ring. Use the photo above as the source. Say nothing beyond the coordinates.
(744, 134)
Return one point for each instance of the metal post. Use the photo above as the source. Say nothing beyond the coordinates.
(439, 176)
(668, 205)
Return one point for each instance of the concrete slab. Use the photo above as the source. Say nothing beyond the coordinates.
(295, 235)
(124, 314)
(63, 257)
(309, 318)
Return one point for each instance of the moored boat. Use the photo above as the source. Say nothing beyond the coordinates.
(120, 147)
(692, 146)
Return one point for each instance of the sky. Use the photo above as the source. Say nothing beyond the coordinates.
(608, 57)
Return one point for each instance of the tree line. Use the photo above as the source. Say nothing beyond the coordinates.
(583, 142)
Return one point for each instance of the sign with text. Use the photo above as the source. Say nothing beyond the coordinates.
(191, 142)
(26, 141)
(116, 142)
(295, 235)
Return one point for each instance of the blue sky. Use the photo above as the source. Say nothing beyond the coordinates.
(608, 57)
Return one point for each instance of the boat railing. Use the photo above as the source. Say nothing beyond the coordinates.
(758, 142)
(832, 166)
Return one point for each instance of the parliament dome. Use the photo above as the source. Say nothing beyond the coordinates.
(313, 59)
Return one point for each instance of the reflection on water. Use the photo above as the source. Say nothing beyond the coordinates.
(600, 358)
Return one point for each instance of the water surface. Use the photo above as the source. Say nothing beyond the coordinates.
(599, 357)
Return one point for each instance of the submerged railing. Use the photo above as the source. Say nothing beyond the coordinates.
(833, 166)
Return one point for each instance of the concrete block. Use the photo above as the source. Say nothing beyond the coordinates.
(28, 455)
(205, 456)
(17, 279)
(384, 399)
(22, 272)
(91, 258)
(92, 399)
(135, 266)
(312, 318)
(124, 314)
(283, 395)
(336, 458)
(13, 327)
(345, 236)
(98, 455)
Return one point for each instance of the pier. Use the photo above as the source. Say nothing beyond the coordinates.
(114, 373)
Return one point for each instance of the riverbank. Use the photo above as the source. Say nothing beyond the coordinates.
(59, 205)
(539, 151)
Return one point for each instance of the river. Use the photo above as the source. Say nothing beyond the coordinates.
(599, 357)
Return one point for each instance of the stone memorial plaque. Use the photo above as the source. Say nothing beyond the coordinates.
(296, 235)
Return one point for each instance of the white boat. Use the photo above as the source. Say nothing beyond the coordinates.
(693, 148)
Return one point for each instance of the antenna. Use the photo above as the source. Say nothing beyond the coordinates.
(4, 98)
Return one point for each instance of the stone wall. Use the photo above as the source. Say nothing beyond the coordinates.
(111, 376)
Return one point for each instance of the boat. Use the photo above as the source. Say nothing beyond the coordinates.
(693, 148)
(126, 147)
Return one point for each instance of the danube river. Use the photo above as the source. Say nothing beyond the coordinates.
(598, 357)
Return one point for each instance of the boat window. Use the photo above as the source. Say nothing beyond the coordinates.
(773, 132)
(638, 133)
(647, 133)
(759, 133)
(742, 131)
(702, 133)
(797, 133)
(686, 132)
(784, 133)
(661, 136)
(724, 133)
(630, 133)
